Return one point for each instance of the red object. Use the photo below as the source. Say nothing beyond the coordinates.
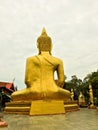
(3, 123)
(7, 87)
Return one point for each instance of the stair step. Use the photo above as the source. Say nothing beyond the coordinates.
(14, 112)
(21, 104)
(17, 109)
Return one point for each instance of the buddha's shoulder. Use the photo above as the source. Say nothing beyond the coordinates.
(31, 58)
(57, 59)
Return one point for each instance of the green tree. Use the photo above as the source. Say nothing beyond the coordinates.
(75, 84)
(93, 79)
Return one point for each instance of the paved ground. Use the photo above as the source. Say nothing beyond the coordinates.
(84, 119)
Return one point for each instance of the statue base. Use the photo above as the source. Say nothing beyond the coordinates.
(71, 106)
(44, 107)
(38, 107)
(92, 107)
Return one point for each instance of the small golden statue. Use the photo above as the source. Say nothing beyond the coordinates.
(91, 97)
(72, 94)
(81, 100)
(39, 75)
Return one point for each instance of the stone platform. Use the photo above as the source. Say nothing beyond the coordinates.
(38, 107)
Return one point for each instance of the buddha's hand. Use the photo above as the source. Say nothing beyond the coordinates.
(60, 84)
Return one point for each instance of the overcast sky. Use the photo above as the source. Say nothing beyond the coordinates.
(72, 25)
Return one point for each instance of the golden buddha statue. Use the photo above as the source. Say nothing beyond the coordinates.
(39, 75)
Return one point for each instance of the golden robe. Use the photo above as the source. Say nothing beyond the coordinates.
(39, 79)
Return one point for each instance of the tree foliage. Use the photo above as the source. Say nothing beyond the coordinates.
(78, 85)
(74, 84)
(93, 79)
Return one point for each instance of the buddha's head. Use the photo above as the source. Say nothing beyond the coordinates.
(44, 42)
